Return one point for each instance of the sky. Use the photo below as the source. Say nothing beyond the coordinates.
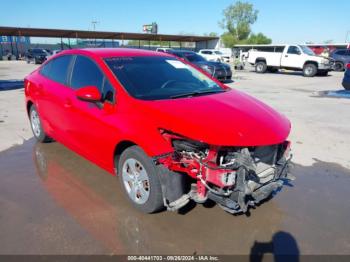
(295, 21)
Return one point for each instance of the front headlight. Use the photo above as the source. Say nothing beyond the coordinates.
(207, 68)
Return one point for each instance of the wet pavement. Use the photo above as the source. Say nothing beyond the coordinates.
(335, 94)
(52, 201)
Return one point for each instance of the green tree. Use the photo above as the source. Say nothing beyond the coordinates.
(211, 34)
(258, 39)
(238, 18)
(237, 22)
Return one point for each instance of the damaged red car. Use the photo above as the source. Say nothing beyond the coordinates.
(170, 132)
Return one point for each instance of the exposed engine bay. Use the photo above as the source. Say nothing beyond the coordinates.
(233, 177)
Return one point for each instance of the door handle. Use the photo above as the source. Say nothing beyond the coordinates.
(286, 56)
(68, 104)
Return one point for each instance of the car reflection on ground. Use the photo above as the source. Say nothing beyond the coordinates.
(93, 198)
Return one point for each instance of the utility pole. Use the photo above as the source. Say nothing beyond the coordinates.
(347, 36)
(94, 23)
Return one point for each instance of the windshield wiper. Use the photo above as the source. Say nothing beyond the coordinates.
(198, 93)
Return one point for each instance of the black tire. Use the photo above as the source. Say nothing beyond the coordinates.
(154, 201)
(39, 134)
(338, 66)
(309, 70)
(260, 67)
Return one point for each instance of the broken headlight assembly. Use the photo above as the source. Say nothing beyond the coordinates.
(234, 177)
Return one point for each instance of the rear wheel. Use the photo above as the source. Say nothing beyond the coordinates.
(35, 123)
(338, 66)
(309, 70)
(260, 67)
(139, 179)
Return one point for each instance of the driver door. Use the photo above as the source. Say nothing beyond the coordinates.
(92, 129)
(292, 57)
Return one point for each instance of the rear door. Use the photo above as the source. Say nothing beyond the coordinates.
(55, 96)
(292, 58)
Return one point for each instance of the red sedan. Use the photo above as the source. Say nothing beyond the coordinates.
(170, 132)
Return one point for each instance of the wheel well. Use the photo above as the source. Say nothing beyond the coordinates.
(29, 104)
(120, 147)
(260, 59)
(311, 62)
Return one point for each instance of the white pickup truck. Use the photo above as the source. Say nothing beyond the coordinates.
(291, 57)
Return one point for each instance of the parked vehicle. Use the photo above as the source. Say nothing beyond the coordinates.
(214, 55)
(171, 133)
(291, 57)
(163, 49)
(36, 55)
(341, 58)
(218, 70)
(346, 79)
(53, 52)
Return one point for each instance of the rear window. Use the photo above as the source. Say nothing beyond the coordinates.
(153, 78)
(57, 69)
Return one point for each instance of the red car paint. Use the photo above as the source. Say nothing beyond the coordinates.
(231, 118)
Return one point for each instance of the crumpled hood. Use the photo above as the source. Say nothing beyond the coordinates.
(231, 118)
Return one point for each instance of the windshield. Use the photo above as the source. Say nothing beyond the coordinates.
(193, 57)
(39, 52)
(158, 77)
(218, 52)
(307, 50)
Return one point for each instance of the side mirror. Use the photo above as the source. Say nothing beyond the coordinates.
(89, 94)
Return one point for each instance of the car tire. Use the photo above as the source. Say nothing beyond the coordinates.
(260, 67)
(338, 66)
(139, 179)
(37, 128)
(309, 70)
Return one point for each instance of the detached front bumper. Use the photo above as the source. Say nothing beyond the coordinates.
(235, 178)
(250, 191)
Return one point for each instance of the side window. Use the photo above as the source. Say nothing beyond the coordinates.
(279, 49)
(341, 52)
(58, 69)
(293, 50)
(45, 70)
(86, 73)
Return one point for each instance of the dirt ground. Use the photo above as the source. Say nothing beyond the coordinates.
(52, 201)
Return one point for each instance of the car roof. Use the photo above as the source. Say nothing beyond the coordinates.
(114, 52)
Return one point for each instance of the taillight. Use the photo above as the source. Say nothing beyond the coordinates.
(348, 66)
